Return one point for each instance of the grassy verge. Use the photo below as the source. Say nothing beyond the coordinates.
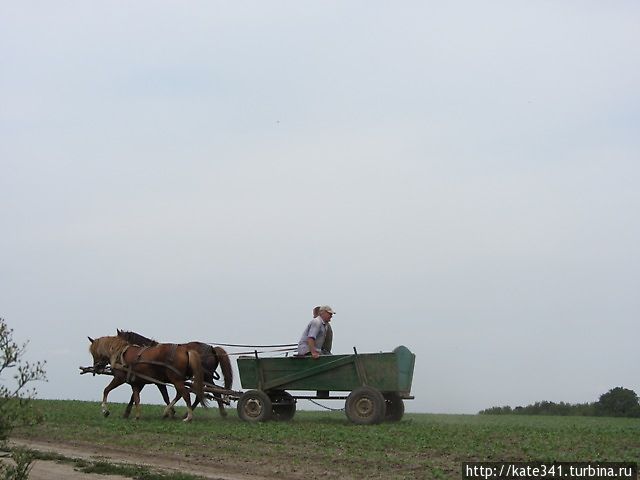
(325, 443)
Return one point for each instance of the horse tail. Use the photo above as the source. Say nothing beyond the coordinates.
(195, 364)
(225, 366)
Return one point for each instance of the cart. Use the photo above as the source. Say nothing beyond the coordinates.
(378, 384)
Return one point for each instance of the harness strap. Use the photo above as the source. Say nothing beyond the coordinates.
(142, 350)
(172, 352)
(131, 376)
(162, 364)
(131, 373)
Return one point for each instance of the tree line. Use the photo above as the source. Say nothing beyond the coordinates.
(617, 402)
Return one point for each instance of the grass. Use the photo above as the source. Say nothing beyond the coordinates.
(325, 443)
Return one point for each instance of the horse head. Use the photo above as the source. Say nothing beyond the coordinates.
(105, 350)
(99, 359)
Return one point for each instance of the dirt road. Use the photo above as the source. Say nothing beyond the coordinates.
(50, 470)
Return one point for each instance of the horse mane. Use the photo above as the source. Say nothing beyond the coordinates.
(136, 339)
(108, 348)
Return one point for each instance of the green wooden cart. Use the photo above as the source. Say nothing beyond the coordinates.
(378, 384)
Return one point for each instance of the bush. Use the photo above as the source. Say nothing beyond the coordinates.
(23, 461)
(14, 399)
(618, 402)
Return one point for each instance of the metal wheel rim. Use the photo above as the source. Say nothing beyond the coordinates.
(253, 407)
(364, 407)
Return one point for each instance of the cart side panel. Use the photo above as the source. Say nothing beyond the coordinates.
(380, 371)
(388, 372)
(405, 362)
(248, 369)
(276, 370)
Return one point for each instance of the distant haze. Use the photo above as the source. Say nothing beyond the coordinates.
(457, 177)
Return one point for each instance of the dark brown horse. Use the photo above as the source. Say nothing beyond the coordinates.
(211, 357)
(138, 366)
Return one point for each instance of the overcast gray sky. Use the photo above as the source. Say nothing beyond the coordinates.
(459, 177)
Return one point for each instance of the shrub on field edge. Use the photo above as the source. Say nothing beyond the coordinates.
(618, 402)
(14, 399)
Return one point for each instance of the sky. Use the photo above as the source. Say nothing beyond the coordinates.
(457, 177)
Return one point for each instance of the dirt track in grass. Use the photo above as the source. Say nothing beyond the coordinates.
(52, 470)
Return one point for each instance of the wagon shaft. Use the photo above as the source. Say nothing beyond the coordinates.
(96, 371)
(213, 390)
(217, 392)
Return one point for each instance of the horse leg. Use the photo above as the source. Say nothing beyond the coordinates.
(136, 397)
(165, 397)
(169, 410)
(127, 410)
(218, 397)
(223, 412)
(115, 382)
(222, 359)
(193, 407)
(184, 393)
(208, 378)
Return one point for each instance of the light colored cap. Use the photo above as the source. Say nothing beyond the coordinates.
(326, 308)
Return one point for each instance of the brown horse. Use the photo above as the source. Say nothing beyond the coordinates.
(211, 357)
(138, 366)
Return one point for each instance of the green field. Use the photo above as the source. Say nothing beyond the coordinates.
(325, 443)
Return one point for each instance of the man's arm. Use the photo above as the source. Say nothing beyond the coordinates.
(312, 347)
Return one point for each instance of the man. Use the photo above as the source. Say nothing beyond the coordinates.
(315, 335)
(328, 337)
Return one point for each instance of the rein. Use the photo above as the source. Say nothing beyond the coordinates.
(240, 345)
(252, 352)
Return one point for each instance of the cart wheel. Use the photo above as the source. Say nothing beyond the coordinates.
(254, 406)
(395, 407)
(284, 406)
(365, 406)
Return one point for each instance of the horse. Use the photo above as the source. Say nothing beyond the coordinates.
(139, 365)
(211, 357)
